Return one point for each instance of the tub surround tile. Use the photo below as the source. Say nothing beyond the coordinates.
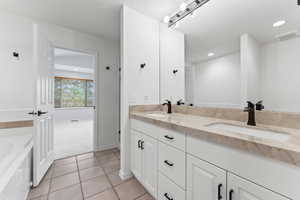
(16, 124)
(194, 121)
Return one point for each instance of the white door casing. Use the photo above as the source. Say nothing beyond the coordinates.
(43, 155)
(205, 181)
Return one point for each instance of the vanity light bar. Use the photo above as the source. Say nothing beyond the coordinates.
(190, 8)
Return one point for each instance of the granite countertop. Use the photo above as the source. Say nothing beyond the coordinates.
(286, 150)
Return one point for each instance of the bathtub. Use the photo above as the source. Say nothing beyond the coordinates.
(15, 163)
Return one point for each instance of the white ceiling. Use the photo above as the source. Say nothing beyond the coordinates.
(97, 17)
(216, 27)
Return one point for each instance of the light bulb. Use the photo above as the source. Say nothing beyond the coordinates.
(183, 6)
(166, 19)
(279, 23)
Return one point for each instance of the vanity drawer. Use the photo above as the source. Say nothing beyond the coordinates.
(171, 162)
(172, 138)
(144, 127)
(168, 190)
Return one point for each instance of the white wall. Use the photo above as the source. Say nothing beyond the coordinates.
(280, 72)
(139, 44)
(67, 114)
(217, 82)
(17, 77)
(250, 69)
(172, 56)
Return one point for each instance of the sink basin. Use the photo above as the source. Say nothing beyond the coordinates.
(156, 115)
(255, 132)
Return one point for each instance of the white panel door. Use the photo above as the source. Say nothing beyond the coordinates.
(136, 154)
(43, 137)
(149, 164)
(205, 181)
(241, 189)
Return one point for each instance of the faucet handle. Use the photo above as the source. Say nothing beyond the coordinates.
(259, 105)
(250, 104)
(168, 101)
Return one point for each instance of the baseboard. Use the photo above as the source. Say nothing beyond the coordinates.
(125, 175)
(106, 147)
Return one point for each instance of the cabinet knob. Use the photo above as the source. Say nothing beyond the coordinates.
(231, 194)
(142, 145)
(169, 137)
(168, 197)
(220, 192)
(169, 163)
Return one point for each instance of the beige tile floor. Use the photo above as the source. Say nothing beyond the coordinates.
(90, 176)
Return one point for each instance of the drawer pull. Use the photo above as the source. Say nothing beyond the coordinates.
(167, 196)
(231, 194)
(139, 144)
(142, 145)
(219, 191)
(169, 137)
(168, 163)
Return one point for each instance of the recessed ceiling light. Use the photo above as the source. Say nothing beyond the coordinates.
(182, 6)
(210, 54)
(166, 19)
(279, 23)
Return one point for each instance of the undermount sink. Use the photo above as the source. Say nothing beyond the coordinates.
(255, 132)
(156, 115)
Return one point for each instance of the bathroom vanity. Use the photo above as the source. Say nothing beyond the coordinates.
(183, 156)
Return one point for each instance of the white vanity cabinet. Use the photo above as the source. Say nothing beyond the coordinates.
(179, 166)
(204, 180)
(144, 160)
(241, 189)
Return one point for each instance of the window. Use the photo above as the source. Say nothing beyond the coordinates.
(71, 92)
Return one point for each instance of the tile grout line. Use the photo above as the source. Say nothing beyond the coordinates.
(112, 186)
(80, 182)
(50, 181)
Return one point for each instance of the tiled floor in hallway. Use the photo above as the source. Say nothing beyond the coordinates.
(91, 176)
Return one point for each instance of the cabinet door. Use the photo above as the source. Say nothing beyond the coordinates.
(136, 154)
(205, 181)
(241, 189)
(149, 164)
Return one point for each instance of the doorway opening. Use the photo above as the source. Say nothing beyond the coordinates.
(75, 98)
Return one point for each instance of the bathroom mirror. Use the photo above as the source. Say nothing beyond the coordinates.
(236, 51)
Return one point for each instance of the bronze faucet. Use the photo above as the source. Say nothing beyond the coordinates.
(169, 104)
(251, 111)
